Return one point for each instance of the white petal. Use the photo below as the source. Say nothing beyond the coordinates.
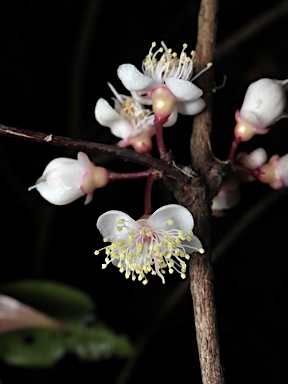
(257, 158)
(138, 96)
(191, 107)
(104, 113)
(172, 118)
(194, 243)
(64, 177)
(89, 198)
(132, 78)
(226, 200)
(183, 89)
(182, 218)
(284, 169)
(108, 117)
(83, 160)
(60, 195)
(108, 222)
(59, 162)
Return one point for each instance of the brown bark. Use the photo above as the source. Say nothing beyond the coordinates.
(210, 172)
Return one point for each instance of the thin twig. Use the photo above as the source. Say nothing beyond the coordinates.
(80, 145)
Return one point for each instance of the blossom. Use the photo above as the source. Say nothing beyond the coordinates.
(248, 163)
(275, 172)
(161, 242)
(264, 103)
(128, 120)
(228, 196)
(65, 180)
(166, 84)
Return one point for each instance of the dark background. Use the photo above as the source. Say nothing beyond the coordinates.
(55, 60)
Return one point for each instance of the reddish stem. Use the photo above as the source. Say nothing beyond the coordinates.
(148, 193)
(159, 138)
(233, 149)
(128, 176)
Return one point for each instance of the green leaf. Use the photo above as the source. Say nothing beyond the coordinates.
(97, 342)
(32, 348)
(44, 347)
(56, 299)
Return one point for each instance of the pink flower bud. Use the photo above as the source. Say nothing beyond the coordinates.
(264, 103)
(65, 180)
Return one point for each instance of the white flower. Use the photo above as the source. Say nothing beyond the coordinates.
(166, 84)
(161, 242)
(247, 162)
(65, 180)
(275, 172)
(128, 120)
(228, 196)
(264, 103)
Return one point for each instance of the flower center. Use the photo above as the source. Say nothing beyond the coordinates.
(133, 111)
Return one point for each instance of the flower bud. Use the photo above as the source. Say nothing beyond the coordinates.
(264, 103)
(65, 180)
(275, 172)
(249, 162)
(163, 103)
(228, 197)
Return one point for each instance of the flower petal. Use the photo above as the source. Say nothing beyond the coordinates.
(182, 218)
(88, 199)
(132, 78)
(191, 107)
(64, 177)
(108, 222)
(60, 162)
(226, 200)
(172, 118)
(192, 246)
(83, 160)
(141, 97)
(183, 89)
(284, 169)
(104, 113)
(108, 117)
(15, 315)
(58, 195)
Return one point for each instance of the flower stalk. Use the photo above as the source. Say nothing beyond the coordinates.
(148, 193)
(160, 139)
(113, 176)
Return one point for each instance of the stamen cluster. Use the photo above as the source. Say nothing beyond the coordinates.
(169, 64)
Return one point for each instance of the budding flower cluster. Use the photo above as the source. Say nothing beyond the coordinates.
(165, 84)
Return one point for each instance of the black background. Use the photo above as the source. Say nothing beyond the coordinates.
(55, 60)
